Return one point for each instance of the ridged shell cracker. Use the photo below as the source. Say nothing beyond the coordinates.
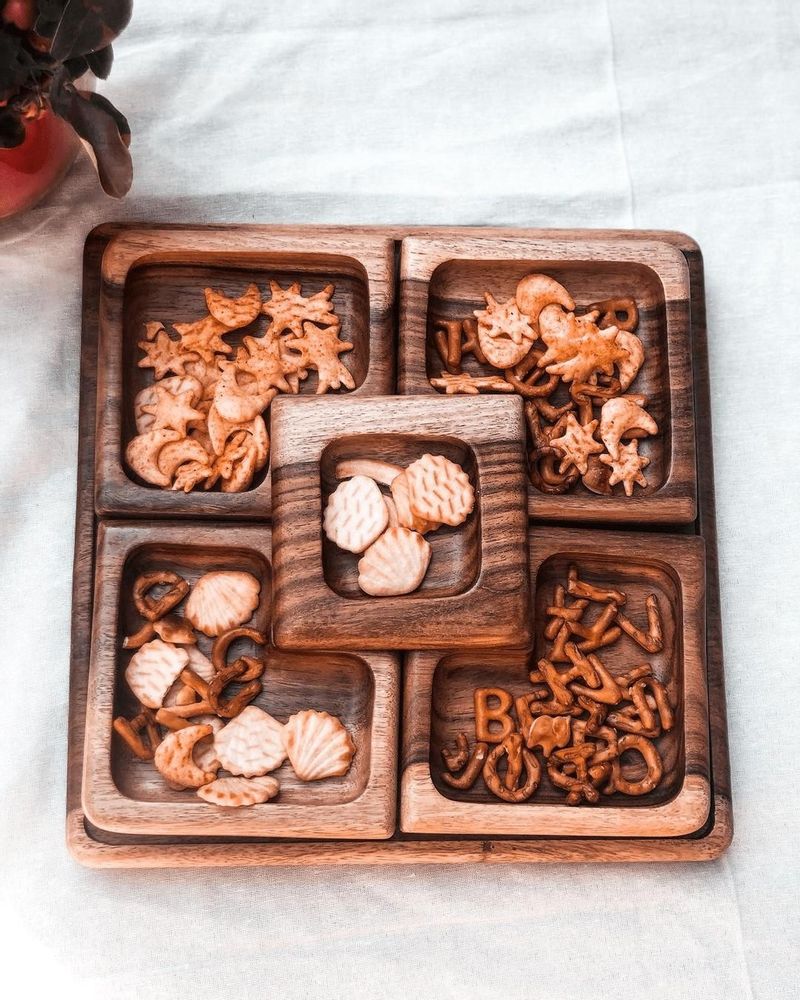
(355, 514)
(318, 745)
(153, 669)
(406, 518)
(221, 600)
(395, 564)
(251, 744)
(174, 761)
(439, 490)
(235, 792)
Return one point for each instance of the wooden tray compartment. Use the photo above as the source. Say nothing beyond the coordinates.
(125, 795)
(160, 275)
(443, 278)
(476, 588)
(98, 848)
(438, 698)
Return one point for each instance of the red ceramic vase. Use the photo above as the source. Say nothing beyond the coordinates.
(30, 170)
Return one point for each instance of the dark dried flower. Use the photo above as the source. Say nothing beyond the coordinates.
(38, 68)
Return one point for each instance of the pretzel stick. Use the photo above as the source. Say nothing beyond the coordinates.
(130, 736)
(144, 634)
(471, 343)
(447, 337)
(652, 641)
(470, 773)
(189, 711)
(372, 468)
(219, 651)
(578, 588)
(170, 720)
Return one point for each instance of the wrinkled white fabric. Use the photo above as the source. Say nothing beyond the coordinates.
(677, 115)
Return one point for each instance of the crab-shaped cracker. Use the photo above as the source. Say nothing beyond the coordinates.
(577, 444)
(627, 467)
(203, 338)
(165, 355)
(288, 308)
(320, 348)
(577, 348)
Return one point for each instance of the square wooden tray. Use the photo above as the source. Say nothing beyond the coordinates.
(438, 698)
(361, 689)
(445, 276)
(476, 588)
(159, 274)
(96, 847)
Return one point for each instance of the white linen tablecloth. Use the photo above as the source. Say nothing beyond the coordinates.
(581, 113)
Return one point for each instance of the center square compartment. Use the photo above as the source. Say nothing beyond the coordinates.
(124, 795)
(164, 280)
(439, 686)
(445, 279)
(476, 591)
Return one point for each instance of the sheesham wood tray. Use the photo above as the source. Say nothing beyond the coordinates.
(96, 846)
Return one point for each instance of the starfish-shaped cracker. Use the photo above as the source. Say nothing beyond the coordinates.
(288, 308)
(173, 411)
(320, 348)
(204, 337)
(577, 444)
(470, 385)
(627, 468)
(165, 355)
(265, 359)
(503, 319)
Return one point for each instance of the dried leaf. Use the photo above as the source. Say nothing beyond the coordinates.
(89, 25)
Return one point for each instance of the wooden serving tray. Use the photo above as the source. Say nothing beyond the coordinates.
(95, 846)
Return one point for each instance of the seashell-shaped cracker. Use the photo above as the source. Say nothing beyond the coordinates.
(153, 669)
(143, 451)
(406, 517)
(439, 490)
(235, 792)
(318, 746)
(355, 514)
(174, 761)
(395, 564)
(251, 744)
(221, 600)
(234, 313)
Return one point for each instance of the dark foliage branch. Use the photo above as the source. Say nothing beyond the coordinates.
(45, 45)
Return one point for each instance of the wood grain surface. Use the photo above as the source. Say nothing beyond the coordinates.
(438, 697)
(445, 277)
(159, 274)
(95, 847)
(362, 690)
(477, 592)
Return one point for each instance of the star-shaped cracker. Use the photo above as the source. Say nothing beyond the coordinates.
(503, 319)
(289, 309)
(627, 468)
(577, 444)
(172, 410)
(165, 355)
(265, 360)
(470, 385)
(320, 349)
(204, 337)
